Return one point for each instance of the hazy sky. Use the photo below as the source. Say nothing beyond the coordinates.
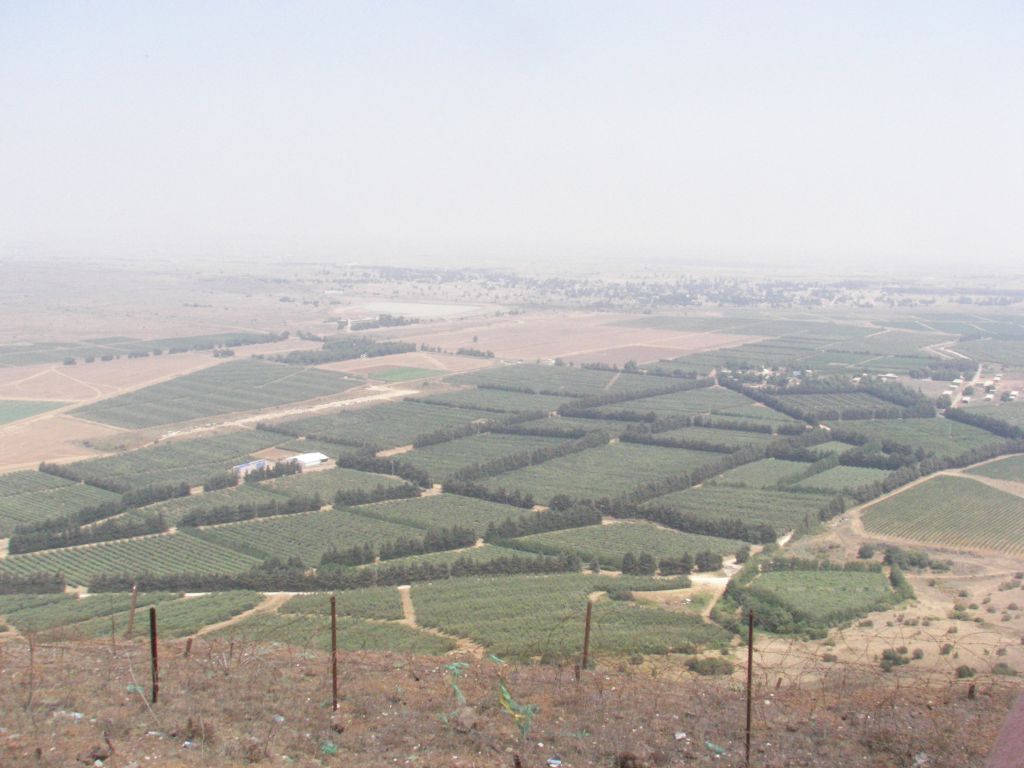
(864, 133)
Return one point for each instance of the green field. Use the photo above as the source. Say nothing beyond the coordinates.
(731, 438)
(532, 616)
(394, 375)
(383, 426)
(314, 631)
(1011, 413)
(175, 618)
(34, 506)
(843, 478)
(613, 427)
(952, 512)
(242, 385)
(832, 446)
(328, 482)
(174, 509)
(191, 461)
(608, 543)
(481, 554)
(306, 536)
(561, 380)
(763, 473)
(443, 459)
(782, 510)
(383, 603)
(17, 483)
(822, 405)
(68, 609)
(756, 413)
(325, 482)
(1011, 468)
(821, 597)
(441, 511)
(13, 410)
(942, 437)
(607, 471)
(157, 555)
(497, 400)
(688, 403)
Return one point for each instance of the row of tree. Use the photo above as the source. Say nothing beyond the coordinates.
(249, 510)
(475, 427)
(32, 584)
(530, 458)
(294, 576)
(366, 460)
(343, 347)
(71, 535)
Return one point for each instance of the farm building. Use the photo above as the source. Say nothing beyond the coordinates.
(306, 460)
(250, 466)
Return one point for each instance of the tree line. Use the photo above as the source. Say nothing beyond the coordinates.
(294, 576)
(71, 535)
(336, 348)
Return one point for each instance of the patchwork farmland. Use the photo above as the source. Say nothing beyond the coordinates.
(245, 385)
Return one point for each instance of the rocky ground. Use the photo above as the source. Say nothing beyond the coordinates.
(229, 704)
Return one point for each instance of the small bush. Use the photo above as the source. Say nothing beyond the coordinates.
(964, 671)
(712, 665)
(1002, 668)
(946, 649)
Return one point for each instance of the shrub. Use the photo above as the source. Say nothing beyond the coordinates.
(964, 671)
(712, 665)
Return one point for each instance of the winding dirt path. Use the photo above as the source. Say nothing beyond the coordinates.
(270, 604)
(462, 644)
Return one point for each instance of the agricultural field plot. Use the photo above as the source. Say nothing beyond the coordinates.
(328, 482)
(71, 609)
(832, 446)
(822, 405)
(782, 510)
(607, 471)
(16, 483)
(443, 459)
(822, 597)
(443, 511)
(730, 438)
(842, 478)
(1011, 413)
(481, 554)
(34, 506)
(1007, 351)
(942, 437)
(755, 412)
(952, 512)
(383, 426)
(497, 400)
(14, 410)
(306, 536)
(176, 618)
(174, 509)
(314, 631)
(1011, 469)
(243, 385)
(608, 543)
(561, 380)
(613, 427)
(161, 555)
(491, 610)
(400, 374)
(383, 603)
(191, 461)
(762, 474)
(704, 400)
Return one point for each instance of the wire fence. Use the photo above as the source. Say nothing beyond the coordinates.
(267, 694)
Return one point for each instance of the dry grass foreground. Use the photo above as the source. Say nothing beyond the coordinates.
(242, 704)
